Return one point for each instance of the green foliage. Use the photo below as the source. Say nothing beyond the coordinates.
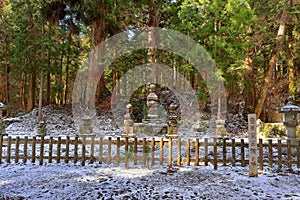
(273, 130)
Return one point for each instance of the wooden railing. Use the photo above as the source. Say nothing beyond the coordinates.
(147, 151)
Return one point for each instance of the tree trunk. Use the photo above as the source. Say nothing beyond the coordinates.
(31, 94)
(98, 36)
(274, 57)
(22, 91)
(153, 38)
(40, 114)
(249, 88)
(48, 95)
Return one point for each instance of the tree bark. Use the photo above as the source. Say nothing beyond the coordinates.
(40, 114)
(98, 36)
(153, 38)
(274, 57)
(31, 94)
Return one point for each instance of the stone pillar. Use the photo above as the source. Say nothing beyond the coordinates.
(152, 104)
(253, 169)
(86, 127)
(128, 122)
(172, 120)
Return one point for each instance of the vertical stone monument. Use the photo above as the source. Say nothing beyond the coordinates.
(253, 170)
(128, 122)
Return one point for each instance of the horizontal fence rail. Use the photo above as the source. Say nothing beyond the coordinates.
(147, 151)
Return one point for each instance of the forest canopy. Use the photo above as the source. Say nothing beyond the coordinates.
(255, 44)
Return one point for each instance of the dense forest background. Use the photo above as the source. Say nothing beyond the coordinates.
(256, 45)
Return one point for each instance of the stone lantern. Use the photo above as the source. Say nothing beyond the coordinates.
(290, 111)
(172, 120)
(128, 122)
(152, 104)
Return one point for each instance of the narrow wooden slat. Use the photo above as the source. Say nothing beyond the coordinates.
(179, 152)
(118, 151)
(58, 150)
(289, 154)
(76, 150)
(243, 153)
(17, 149)
(83, 151)
(261, 155)
(270, 147)
(1, 144)
(92, 157)
(170, 153)
(109, 151)
(135, 147)
(197, 151)
(206, 151)
(144, 152)
(33, 149)
(298, 154)
(25, 149)
(101, 151)
(215, 154)
(8, 150)
(161, 151)
(279, 154)
(126, 153)
(41, 160)
(67, 149)
(224, 151)
(233, 160)
(188, 152)
(152, 151)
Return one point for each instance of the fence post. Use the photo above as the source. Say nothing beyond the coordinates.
(8, 150)
(76, 150)
(188, 152)
(67, 149)
(126, 153)
(179, 152)
(243, 153)
(152, 151)
(298, 154)
(92, 158)
(118, 151)
(135, 147)
(101, 150)
(1, 144)
(206, 151)
(215, 154)
(144, 152)
(289, 153)
(58, 150)
(279, 154)
(270, 146)
(233, 152)
(109, 151)
(50, 149)
(197, 151)
(261, 155)
(25, 150)
(17, 149)
(224, 152)
(83, 151)
(161, 149)
(253, 171)
(41, 151)
(33, 149)
(170, 153)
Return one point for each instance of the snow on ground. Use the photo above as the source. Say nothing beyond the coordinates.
(62, 181)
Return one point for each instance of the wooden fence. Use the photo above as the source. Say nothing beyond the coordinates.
(145, 151)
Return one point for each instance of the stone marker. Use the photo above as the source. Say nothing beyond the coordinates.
(253, 170)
